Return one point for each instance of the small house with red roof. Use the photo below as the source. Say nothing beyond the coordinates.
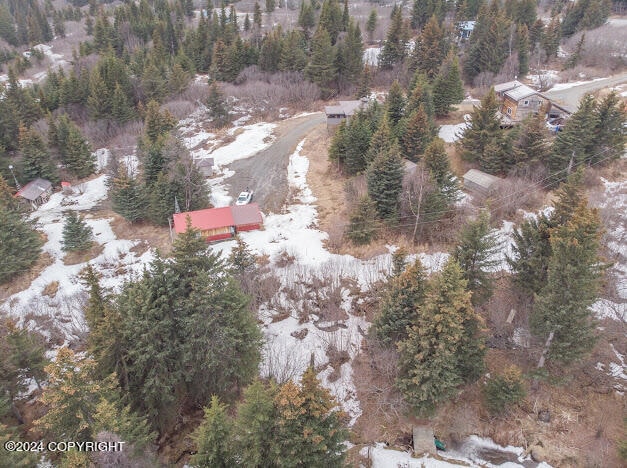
(220, 223)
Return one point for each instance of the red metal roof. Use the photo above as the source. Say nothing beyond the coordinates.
(211, 218)
(246, 214)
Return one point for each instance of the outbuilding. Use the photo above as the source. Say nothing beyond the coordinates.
(480, 182)
(205, 166)
(36, 192)
(217, 224)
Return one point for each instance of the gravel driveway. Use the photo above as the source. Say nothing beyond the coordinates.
(266, 171)
(570, 97)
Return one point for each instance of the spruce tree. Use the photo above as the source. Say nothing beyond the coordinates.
(573, 283)
(394, 48)
(532, 145)
(483, 129)
(382, 140)
(475, 253)
(253, 434)
(217, 106)
(242, 259)
(397, 308)
(577, 141)
(437, 163)
(395, 106)
(321, 69)
(523, 50)
(309, 429)
(127, 196)
(419, 132)
(77, 154)
(444, 348)
(77, 235)
(610, 132)
(257, 15)
(431, 49)
(212, 437)
(447, 87)
(385, 177)
(503, 390)
(420, 95)
(20, 244)
(362, 228)
(371, 24)
(35, 156)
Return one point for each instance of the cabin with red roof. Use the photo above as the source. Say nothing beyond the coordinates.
(220, 223)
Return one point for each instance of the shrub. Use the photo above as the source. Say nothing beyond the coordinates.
(504, 390)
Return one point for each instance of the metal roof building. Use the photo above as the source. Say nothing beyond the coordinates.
(481, 182)
(36, 192)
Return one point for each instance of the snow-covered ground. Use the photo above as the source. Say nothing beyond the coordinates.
(371, 56)
(469, 454)
(452, 133)
(116, 263)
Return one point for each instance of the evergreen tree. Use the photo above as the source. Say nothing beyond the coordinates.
(371, 24)
(573, 283)
(430, 50)
(523, 50)
(382, 140)
(77, 235)
(293, 56)
(321, 69)
(157, 123)
(253, 434)
(121, 109)
(247, 23)
(531, 251)
(309, 430)
(551, 37)
(423, 10)
(242, 259)
(420, 94)
(35, 156)
(20, 244)
(397, 308)
(395, 106)
(127, 196)
(306, 18)
(385, 176)
(257, 15)
(532, 145)
(447, 87)
(475, 253)
(362, 228)
(76, 153)
(610, 131)
(331, 19)
(217, 106)
(577, 142)
(437, 163)
(270, 6)
(419, 132)
(443, 348)
(489, 42)
(188, 327)
(394, 48)
(483, 129)
(212, 438)
(503, 390)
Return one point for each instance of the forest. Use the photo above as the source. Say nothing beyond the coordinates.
(172, 355)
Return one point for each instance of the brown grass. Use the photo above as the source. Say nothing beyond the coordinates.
(23, 281)
(73, 258)
(51, 289)
(157, 237)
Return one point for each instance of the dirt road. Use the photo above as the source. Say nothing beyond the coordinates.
(266, 171)
(570, 97)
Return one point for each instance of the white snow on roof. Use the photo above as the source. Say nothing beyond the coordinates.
(452, 133)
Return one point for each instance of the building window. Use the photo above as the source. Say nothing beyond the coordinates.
(509, 111)
(526, 103)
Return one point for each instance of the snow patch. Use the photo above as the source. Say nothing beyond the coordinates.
(452, 133)
(371, 56)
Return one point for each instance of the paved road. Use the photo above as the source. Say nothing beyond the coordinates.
(570, 97)
(266, 171)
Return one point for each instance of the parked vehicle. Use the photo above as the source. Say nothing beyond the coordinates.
(245, 197)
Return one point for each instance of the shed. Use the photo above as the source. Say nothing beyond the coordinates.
(213, 223)
(36, 192)
(480, 182)
(344, 110)
(246, 217)
(205, 166)
(466, 28)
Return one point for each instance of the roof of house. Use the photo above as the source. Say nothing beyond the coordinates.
(410, 166)
(347, 108)
(204, 162)
(33, 190)
(515, 90)
(467, 25)
(246, 214)
(480, 178)
(207, 219)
